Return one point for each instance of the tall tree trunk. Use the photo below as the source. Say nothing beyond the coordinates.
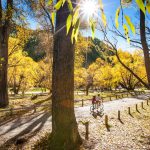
(14, 83)
(87, 89)
(144, 45)
(3, 71)
(4, 35)
(17, 86)
(65, 134)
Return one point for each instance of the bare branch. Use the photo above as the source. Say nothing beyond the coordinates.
(48, 15)
(114, 48)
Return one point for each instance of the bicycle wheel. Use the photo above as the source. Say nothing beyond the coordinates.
(91, 108)
(102, 107)
(101, 111)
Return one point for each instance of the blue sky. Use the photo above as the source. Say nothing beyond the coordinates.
(110, 8)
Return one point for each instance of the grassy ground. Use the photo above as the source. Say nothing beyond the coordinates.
(132, 132)
(106, 95)
(18, 101)
(35, 89)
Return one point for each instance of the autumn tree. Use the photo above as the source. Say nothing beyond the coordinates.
(135, 61)
(102, 74)
(8, 18)
(64, 126)
(113, 48)
(21, 68)
(5, 19)
(107, 76)
(141, 40)
(82, 78)
(42, 75)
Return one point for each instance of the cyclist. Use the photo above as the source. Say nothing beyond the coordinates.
(94, 101)
(99, 100)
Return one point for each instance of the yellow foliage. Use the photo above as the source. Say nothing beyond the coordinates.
(80, 77)
(110, 75)
(23, 68)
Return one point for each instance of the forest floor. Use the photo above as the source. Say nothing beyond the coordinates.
(132, 132)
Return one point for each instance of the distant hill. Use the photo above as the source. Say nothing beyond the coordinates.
(38, 45)
(98, 50)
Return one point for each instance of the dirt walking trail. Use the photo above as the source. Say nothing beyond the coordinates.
(35, 125)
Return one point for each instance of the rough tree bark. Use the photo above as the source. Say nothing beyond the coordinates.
(4, 35)
(65, 134)
(144, 45)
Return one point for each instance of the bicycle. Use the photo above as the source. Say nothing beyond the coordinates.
(98, 107)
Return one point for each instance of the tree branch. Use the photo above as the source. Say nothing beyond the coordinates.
(113, 46)
(48, 15)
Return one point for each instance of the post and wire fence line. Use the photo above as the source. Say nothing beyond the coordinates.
(78, 103)
(107, 121)
(86, 102)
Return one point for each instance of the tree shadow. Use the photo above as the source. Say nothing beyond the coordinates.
(108, 127)
(131, 115)
(94, 114)
(42, 101)
(6, 121)
(143, 108)
(18, 114)
(121, 121)
(18, 123)
(43, 143)
(138, 111)
(148, 140)
(30, 131)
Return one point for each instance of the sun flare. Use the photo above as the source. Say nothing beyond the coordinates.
(88, 8)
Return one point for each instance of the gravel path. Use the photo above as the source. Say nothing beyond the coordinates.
(35, 125)
(109, 106)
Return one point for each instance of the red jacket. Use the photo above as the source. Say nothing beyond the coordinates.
(93, 100)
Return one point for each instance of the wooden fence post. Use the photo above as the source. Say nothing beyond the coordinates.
(129, 110)
(106, 120)
(142, 105)
(136, 107)
(86, 124)
(87, 130)
(82, 103)
(119, 115)
(147, 102)
(110, 98)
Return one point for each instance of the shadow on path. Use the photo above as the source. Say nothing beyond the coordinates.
(18, 122)
(121, 121)
(29, 132)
